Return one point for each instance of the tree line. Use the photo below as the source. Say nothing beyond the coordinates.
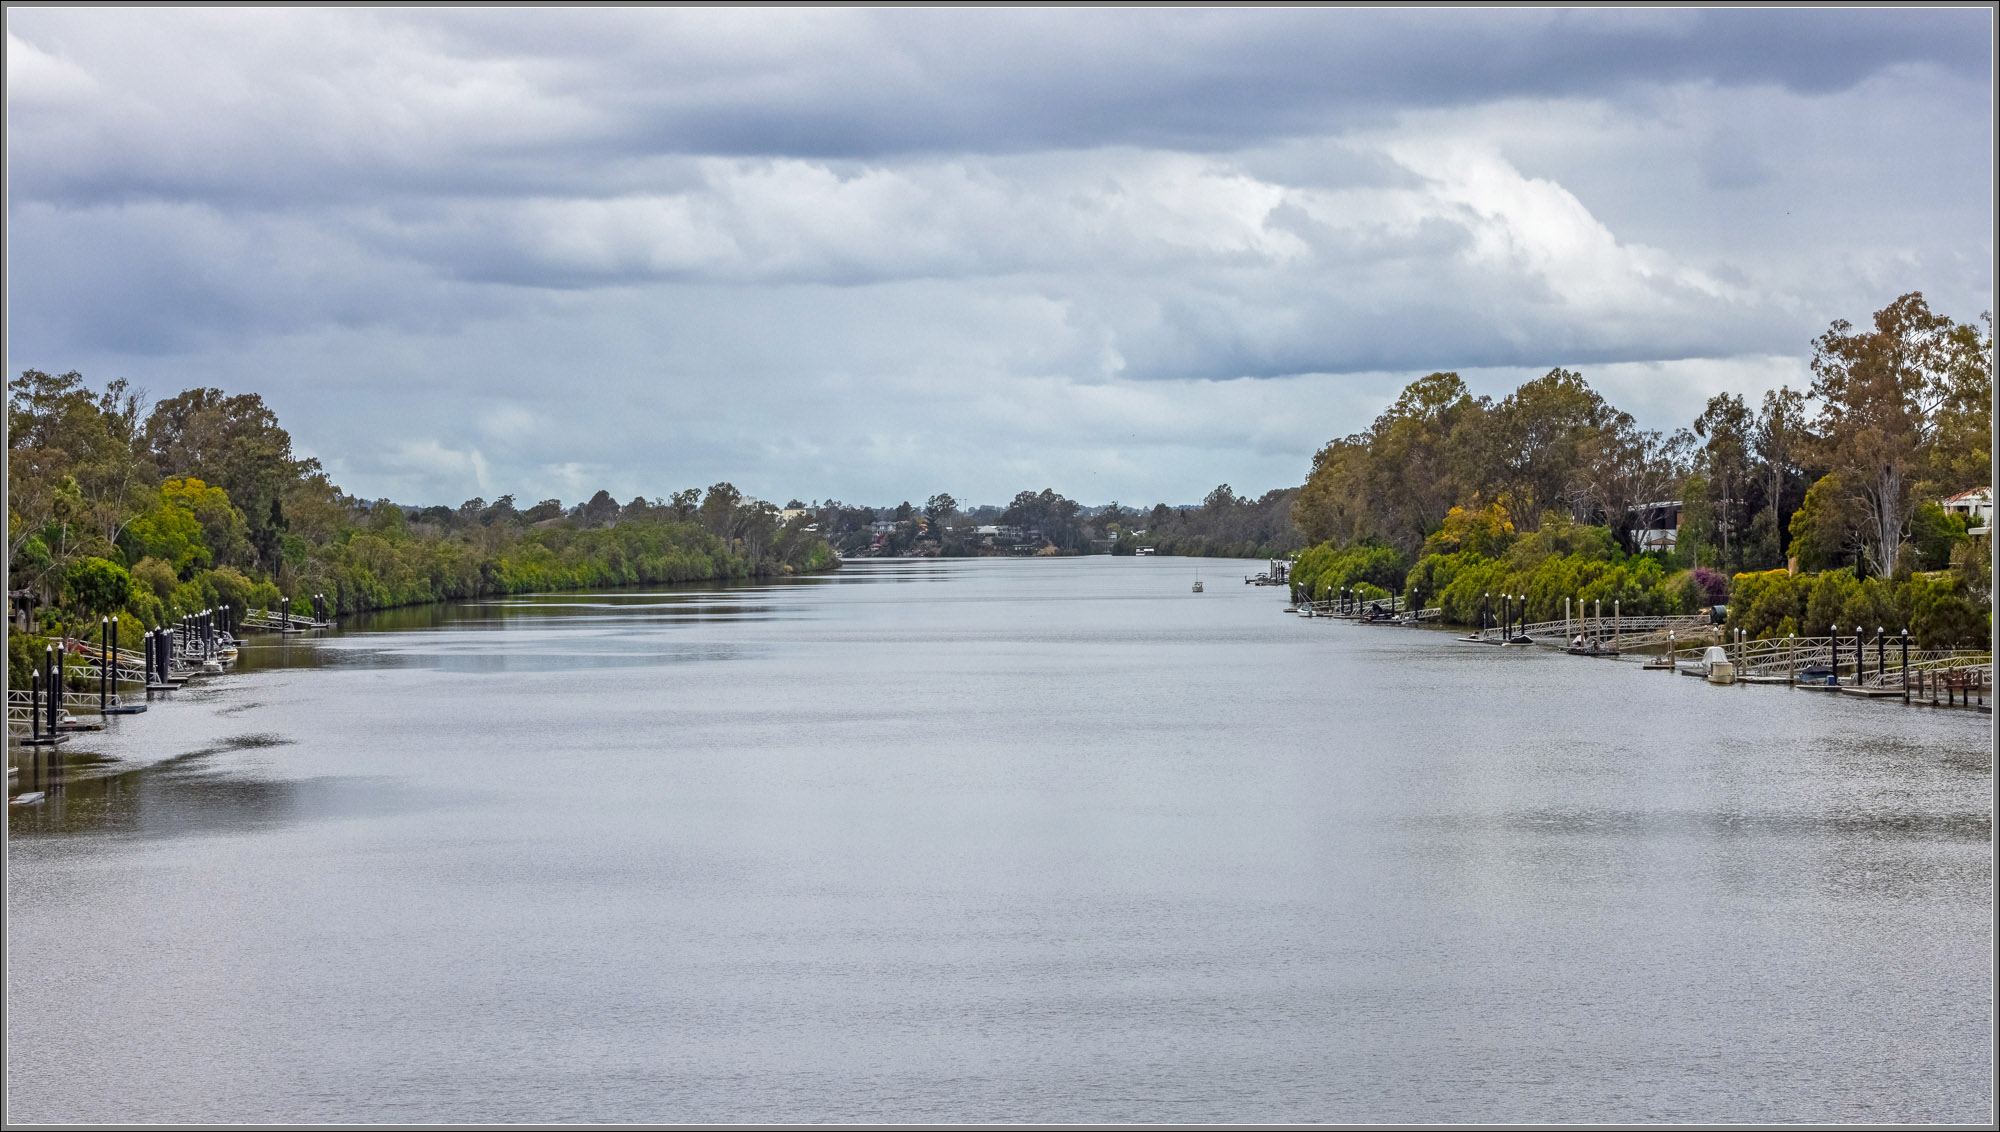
(1224, 524)
(150, 512)
(1447, 493)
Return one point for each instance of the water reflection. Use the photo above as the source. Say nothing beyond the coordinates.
(188, 794)
(993, 840)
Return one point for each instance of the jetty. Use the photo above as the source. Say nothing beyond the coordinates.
(81, 683)
(1366, 611)
(1882, 666)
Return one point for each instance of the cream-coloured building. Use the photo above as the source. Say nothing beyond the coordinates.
(1976, 505)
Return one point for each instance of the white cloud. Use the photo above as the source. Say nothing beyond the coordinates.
(873, 254)
(37, 78)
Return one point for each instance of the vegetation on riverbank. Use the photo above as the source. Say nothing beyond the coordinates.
(1223, 525)
(149, 515)
(1552, 492)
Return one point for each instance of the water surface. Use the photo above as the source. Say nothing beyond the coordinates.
(994, 840)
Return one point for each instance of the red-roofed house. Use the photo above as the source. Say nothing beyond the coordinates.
(1976, 505)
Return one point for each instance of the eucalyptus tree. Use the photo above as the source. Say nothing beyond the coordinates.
(1725, 426)
(1888, 395)
(1781, 440)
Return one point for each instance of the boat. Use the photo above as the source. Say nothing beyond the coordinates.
(1197, 581)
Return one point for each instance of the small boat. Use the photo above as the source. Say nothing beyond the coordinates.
(28, 799)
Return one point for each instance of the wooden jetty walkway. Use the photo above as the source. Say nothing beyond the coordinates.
(1881, 666)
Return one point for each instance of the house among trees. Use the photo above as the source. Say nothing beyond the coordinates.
(1977, 507)
(1656, 526)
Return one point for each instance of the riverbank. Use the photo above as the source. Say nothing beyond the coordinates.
(1933, 677)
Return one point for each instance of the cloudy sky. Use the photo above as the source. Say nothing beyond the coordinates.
(874, 255)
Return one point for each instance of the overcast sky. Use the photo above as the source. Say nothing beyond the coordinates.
(874, 255)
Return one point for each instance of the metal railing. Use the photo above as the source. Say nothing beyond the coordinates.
(1624, 631)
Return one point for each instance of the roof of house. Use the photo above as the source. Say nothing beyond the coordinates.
(1973, 495)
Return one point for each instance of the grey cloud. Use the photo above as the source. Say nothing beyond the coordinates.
(339, 103)
(873, 253)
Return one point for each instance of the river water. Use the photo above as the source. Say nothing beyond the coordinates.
(994, 840)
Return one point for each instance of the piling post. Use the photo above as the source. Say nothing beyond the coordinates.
(1597, 638)
(54, 685)
(1791, 658)
(35, 707)
(1880, 671)
(104, 667)
(1567, 635)
(1617, 621)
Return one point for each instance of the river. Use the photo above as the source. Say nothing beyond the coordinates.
(994, 840)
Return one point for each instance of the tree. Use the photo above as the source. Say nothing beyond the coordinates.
(599, 511)
(236, 444)
(74, 477)
(1961, 451)
(1885, 394)
(1540, 429)
(1412, 443)
(1725, 425)
(940, 507)
(502, 511)
(1780, 440)
(686, 503)
(1824, 527)
(97, 587)
(1053, 515)
(718, 509)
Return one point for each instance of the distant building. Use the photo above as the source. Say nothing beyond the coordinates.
(1976, 505)
(1657, 526)
(787, 514)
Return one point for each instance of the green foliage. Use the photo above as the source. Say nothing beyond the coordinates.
(238, 520)
(1485, 531)
(24, 656)
(1460, 583)
(166, 533)
(1937, 609)
(157, 576)
(1933, 533)
(1323, 570)
(1823, 528)
(223, 531)
(98, 587)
